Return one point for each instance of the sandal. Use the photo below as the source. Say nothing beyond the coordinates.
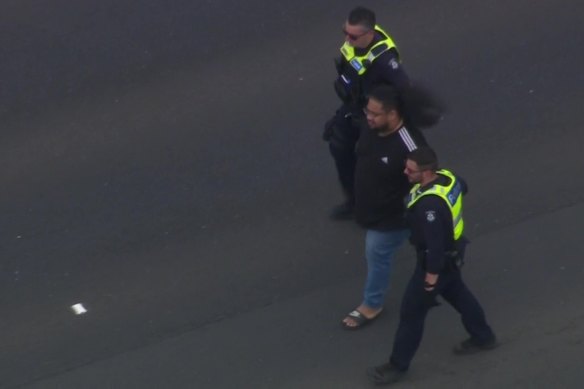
(359, 319)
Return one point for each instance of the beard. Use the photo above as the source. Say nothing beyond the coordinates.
(380, 129)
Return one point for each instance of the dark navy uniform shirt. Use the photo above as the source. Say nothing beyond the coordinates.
(430, 220)
(385, 69)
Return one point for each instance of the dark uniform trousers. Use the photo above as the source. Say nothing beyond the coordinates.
(417, 302)
(344, 134)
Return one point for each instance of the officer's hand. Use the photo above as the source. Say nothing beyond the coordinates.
(328, 129)
(430, 281)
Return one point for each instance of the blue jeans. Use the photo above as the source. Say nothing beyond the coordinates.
(380, 248)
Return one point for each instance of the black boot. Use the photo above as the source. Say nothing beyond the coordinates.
(470, 346)
(385, 374)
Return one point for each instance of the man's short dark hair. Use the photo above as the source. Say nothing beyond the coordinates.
(416, 105)
(388, 96)
(425, 158)
(362, 16)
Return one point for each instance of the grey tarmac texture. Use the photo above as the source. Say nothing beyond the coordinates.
(162, 164)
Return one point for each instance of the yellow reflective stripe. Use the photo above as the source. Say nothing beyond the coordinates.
(457, 220)
(443, 192)
(348, 52)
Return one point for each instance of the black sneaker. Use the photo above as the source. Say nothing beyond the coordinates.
(342, 211)
(470, 346)
(385, 374)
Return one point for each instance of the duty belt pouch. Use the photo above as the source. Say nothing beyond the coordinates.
(454, 259)
(459, 251)
(358, 120)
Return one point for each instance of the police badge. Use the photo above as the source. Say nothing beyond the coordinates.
(430, 216)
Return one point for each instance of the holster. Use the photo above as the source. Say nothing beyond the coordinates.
(454, 259)
(342, 130)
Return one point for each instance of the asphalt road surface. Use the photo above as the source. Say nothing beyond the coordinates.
(161, 164)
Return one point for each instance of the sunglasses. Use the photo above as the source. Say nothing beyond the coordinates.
(353, 37)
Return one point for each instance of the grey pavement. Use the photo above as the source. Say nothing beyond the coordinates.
(161, 163)
(527, 276)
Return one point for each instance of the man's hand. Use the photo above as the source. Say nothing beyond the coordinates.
(430, 281)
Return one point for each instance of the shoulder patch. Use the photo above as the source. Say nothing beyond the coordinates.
(430, 216)
(393, 63)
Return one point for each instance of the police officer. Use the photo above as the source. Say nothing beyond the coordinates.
(435, 218)
(369, 57)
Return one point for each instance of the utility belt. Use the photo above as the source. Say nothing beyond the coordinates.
(453, 259)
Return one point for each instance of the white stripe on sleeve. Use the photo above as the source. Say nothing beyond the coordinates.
(407, 139)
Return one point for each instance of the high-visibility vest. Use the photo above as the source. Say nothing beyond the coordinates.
(361, 62)
(451, 194)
